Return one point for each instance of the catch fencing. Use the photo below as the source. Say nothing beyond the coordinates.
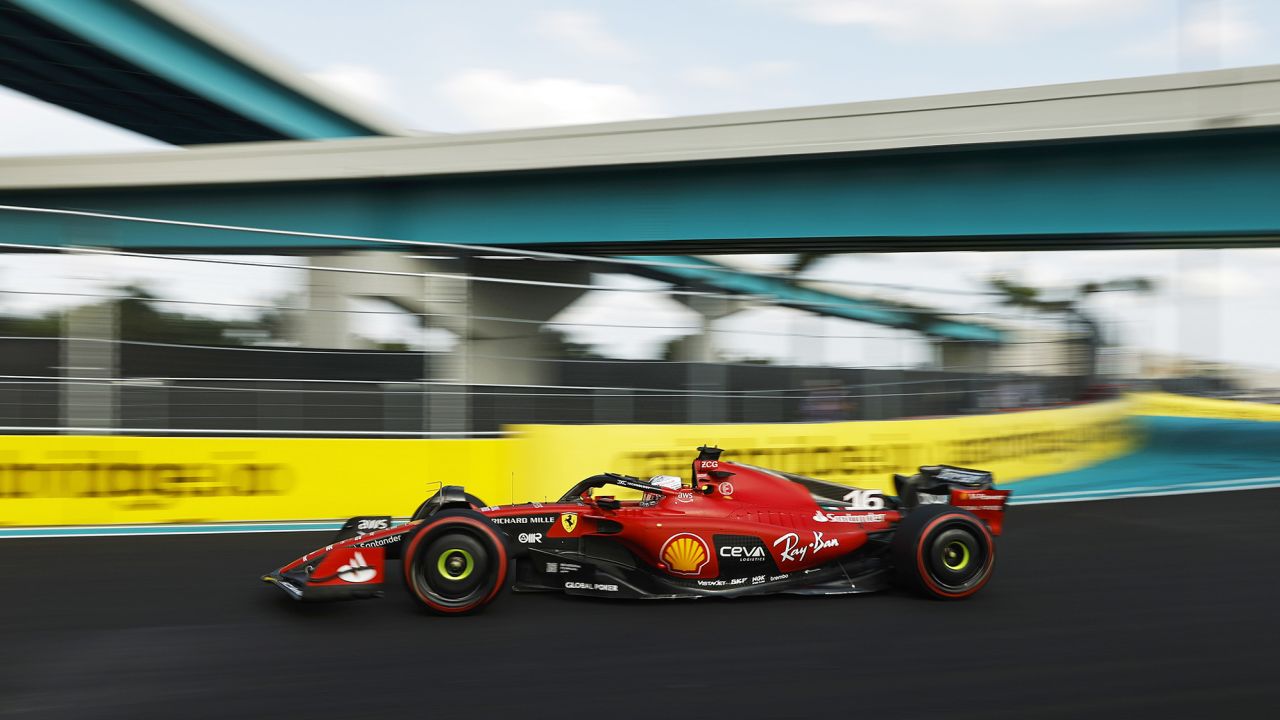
(103, 352)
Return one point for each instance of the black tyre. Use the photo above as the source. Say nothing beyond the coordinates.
(944, 552)
(427, 505)
(456, 564)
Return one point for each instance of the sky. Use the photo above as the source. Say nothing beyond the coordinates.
(488, 64)
(495, 64)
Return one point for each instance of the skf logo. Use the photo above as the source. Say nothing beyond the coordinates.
(569, 521)
(685, 553)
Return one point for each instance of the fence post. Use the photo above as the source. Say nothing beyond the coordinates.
(90, 366)
(447, 410)
(706, 376)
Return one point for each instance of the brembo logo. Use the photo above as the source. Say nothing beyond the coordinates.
(685, 553)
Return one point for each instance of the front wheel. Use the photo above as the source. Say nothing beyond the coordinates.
(943, 552)
(456, 564)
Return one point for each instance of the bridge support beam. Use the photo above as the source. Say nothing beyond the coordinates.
(705, 376)
(499, 325)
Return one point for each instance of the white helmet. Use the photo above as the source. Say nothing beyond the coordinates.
(671, 482)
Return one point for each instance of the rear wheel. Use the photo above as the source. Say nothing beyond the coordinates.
(456, 564)
(425, 508)
(944, 552)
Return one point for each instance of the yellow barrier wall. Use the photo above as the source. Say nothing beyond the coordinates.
(74, 480)
(79, 480)
(1170, 405)
(865, 454)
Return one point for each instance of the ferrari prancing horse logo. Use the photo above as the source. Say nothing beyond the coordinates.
(569, 521)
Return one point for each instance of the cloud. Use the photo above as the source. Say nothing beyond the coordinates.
(1203, 38)
(359, 82)
(774, 68)
(584, 32)
(714, 77)
(968, 20)
(711, 77)
(1221, 282)
(626, 324)
(494, 99)
(1211, 32)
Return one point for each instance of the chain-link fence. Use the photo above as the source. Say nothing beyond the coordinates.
(459, 343)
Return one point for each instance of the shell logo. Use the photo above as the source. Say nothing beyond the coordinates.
(685, 553)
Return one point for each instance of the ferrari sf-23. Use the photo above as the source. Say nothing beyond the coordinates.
(736, 529)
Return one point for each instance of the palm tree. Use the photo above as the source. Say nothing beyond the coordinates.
(800, 262)
(1071, 305)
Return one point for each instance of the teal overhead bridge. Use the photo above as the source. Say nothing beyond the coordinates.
(1187, 160)
(151, 67)
(715, 276)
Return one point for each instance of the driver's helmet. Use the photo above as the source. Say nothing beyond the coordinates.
(663, 481)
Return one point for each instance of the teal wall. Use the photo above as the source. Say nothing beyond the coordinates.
(1179, 455)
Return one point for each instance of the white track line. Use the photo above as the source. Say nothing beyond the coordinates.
(1125, 493)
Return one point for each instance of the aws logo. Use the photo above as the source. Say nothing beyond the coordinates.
(685, 553)
(569, 521)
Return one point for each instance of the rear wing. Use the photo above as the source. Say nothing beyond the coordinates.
(958, 475)
(973, 490)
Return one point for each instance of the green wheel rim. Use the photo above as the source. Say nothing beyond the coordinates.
(456, 564)
(955, 555)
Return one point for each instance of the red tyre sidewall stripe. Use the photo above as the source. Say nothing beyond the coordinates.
(924, 571)
(427, 530)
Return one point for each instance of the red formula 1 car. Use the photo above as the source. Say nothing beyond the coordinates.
(735, 530)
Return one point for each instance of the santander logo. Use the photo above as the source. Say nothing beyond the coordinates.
(356, 571)
(822, 517)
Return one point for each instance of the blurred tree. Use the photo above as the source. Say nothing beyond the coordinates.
(801, 262)
(921, 317)
(142, 319)
(44, 325)
(1070, 303)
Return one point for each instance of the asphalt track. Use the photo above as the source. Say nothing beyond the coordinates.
(1154, 607)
